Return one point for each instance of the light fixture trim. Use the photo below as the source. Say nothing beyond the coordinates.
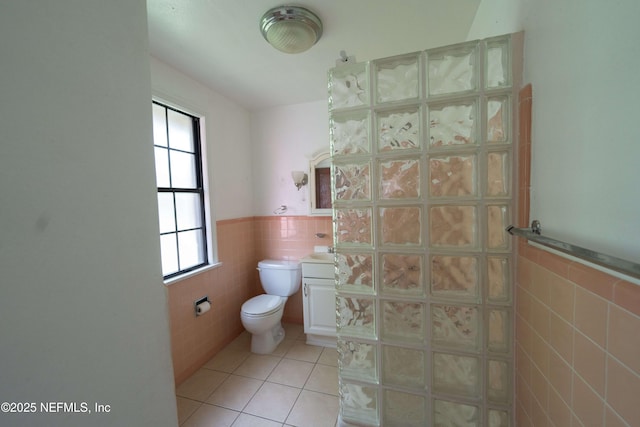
(296, 15)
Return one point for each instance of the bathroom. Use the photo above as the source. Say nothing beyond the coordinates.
(63, 354)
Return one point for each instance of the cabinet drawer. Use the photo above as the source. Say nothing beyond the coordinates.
(321, 270)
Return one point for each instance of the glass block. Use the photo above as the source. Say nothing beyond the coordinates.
(498, 418)
(499, 332)
(452, 71)
(359, 403)
(349, 86)
(349, 133)
(456, 374)
(357, 360)
(452, 125)
(498, 174)
(497, 221)
(403, 321)
(455, 326)
(497, 64)
(498, 280)
(397, 79)
(402, 275)
(448, 414)
(498, 119)
(404, 409)
(498, 383)
(401, 226)
(404, 367)
(452, 176)
(400, 179)
(356, 317)
(453, 226)
(355, 272)
(352, 181)
(353, 226)
(455, 277)
(398, 130)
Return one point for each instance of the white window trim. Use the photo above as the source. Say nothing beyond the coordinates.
(210, 223)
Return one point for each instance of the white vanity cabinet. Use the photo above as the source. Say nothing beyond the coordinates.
(319, 299)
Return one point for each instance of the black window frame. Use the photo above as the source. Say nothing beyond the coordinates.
(199, 189)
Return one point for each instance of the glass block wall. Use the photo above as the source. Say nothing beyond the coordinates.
(422, 148)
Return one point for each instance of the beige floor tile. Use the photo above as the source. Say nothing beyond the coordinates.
(273, 401)
(329, 356)
(304, 352)
(314, 410)
(235, 392)
(291, 372)
(246, 420)
(283, 347)
(186, 408)
(228, 359)
(257, 366)
(201, 384)
(323, 379)
(211, 416)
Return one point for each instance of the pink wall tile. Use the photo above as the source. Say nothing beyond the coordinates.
(627, 295)
(623, 389)
(591, 315)
(596, 281)
(242, 242)
(588, 352)
(587, 405)
(589, 362)
(561, 337)
(624, 340)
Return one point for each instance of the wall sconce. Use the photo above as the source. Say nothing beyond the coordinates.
(299, 179)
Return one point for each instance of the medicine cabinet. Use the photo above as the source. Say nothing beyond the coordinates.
(320, 185)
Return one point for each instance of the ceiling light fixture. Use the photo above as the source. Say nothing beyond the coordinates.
(291, 29)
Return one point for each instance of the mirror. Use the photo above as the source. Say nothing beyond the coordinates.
(320, 185)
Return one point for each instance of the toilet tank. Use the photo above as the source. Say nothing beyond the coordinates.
(280, 277)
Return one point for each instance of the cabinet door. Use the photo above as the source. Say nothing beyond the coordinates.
(319, 297)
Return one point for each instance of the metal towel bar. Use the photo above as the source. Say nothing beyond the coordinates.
(534, 234)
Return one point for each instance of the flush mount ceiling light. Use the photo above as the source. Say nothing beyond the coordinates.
(291, 29)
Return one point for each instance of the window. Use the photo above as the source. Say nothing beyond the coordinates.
(181, 198)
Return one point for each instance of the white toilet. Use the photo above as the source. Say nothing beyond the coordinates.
(261, 314)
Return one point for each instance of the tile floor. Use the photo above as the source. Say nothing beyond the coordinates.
(296, 385)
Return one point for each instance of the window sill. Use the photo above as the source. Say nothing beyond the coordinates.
(190, 274)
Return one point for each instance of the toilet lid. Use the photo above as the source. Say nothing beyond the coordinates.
(262, 305)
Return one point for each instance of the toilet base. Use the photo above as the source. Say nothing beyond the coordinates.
(267, 342)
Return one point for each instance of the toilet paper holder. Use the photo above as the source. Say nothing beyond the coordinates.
(196, 303)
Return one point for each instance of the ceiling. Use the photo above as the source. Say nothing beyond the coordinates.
(218, 42)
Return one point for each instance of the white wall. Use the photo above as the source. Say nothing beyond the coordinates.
(227, 138)
(496, 17)
(285, 139)
(582, 58)
(83, 310)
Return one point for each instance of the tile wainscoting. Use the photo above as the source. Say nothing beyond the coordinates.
(242, 242)
(577, 347)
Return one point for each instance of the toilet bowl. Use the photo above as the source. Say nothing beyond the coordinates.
(261, 317)
(261, 314)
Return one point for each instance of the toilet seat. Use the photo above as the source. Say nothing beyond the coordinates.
(262, 305)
